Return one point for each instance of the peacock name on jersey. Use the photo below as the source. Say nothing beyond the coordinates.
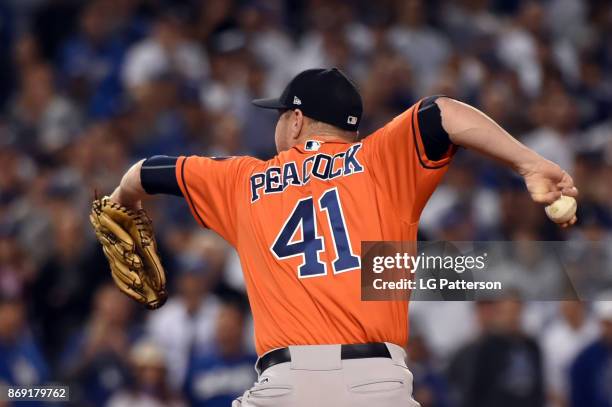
(321, 166)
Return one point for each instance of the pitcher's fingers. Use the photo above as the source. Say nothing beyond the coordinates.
(547, 197)
(566, 179)
(566, 182)
(570, 223)
(570, 191)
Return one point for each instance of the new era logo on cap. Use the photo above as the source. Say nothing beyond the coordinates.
(296, 100)
(351, 120)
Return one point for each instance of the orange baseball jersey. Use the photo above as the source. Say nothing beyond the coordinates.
(297, 222)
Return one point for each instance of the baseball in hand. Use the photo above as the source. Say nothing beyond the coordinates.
(562, 210)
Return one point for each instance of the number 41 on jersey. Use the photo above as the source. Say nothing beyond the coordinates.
(311, 244)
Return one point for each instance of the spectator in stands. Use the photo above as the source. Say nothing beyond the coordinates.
(157, 122)
(504, 366)
(167, 50)
(45, 121)
(591, 372)
(61, 292)
(149, 386)
(429, 386)
(215, 379)
(90, 61)
(424, 48)
(186, 323)
(21, 362)
(269, 43)
(518, 46)
(461, 367)
(94, 362)
(566, 337)
(16, 270)
(555, 117)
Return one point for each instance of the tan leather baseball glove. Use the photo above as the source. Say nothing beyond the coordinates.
(129, 245)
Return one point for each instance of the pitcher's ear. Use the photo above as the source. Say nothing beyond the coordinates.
(297, 123)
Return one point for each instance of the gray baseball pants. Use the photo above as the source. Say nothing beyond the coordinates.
(318, 377)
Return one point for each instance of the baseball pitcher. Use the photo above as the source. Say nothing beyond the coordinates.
(297, 222)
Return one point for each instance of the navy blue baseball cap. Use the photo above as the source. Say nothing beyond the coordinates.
(326, 95)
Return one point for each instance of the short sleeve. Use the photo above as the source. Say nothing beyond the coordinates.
(211, 187)
(397, 158)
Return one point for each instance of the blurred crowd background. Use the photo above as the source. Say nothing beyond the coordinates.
(88, 87)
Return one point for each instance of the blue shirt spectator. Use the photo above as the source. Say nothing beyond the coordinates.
(90, 61)
(591, 376)
(429, 384)
(591, 372)
(214, 380)
(21, 361)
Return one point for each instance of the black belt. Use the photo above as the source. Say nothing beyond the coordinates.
(354, 351)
